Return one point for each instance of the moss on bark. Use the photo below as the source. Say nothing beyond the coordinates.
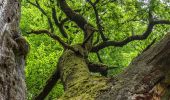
(78, 82)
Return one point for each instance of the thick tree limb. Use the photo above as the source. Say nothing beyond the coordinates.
(37, 5)
(55, 37)
(74, 16)
(49, 85)
(146, 77)
(99, 67)
(77, 18)
(95, 67)
(91, 30)
(81, 22)
(131, 38)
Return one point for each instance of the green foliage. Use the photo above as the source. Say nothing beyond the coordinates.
(41, 62)
(44, 54)
(120, 19)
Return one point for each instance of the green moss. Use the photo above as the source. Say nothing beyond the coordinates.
(89, 89)
(78, 83)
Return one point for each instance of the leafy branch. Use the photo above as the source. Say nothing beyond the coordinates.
(80, 21)
(98, 21)
(50, 83)
(59, 24)
(55, 37)
(37, 5)
(131, 38)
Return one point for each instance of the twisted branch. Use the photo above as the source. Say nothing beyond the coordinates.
(59, 25)
(98, 21)
(131, 38)
(55, 37)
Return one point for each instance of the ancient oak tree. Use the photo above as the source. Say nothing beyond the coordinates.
(146, 78)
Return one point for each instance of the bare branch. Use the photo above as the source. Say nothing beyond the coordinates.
(37, 5)
(131, 38)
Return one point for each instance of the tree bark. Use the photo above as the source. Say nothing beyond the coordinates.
(146, 78)
(12, 52)
(78, 82)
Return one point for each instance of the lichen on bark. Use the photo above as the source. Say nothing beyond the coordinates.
(146, 78)
(12, 81)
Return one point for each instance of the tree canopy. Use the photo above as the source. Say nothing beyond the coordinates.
(122, 29)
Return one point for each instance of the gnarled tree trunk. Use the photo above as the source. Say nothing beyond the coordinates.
(12, 58)
(147, 78)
